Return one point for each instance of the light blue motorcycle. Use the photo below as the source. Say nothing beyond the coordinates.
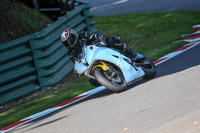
(111, 68)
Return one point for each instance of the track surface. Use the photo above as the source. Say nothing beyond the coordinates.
(113, 7)
(167, 104)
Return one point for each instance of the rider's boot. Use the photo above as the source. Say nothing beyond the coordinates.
(130, 52)
(116, 43)
(124, 48)
(133, 55)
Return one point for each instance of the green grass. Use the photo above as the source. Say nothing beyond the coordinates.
(148, 33)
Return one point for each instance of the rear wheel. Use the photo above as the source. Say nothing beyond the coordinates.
(148, 67)
(112, 79)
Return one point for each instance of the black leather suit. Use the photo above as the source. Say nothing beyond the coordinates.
(90, 38)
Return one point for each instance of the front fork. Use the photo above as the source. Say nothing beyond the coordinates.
(109, 72)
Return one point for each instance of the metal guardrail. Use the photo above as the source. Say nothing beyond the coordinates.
(17, 71)
(39, 60)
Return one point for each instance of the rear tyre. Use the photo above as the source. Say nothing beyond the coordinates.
(113, 82)
(148, 67)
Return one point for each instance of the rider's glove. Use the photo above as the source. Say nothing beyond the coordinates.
(92, 36)
(98, 36)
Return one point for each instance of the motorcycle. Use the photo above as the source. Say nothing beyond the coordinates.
(112, 69)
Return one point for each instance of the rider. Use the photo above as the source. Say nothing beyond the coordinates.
(72, 41)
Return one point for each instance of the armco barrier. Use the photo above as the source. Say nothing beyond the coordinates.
(39, 60)
(50, 56)
(17, 71)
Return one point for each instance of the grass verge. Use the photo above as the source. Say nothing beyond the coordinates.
(148, 33)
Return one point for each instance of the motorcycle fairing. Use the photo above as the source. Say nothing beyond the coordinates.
(95, 53)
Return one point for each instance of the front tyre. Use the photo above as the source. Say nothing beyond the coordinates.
(114, 81)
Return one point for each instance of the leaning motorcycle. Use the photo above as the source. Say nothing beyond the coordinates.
(111, 68)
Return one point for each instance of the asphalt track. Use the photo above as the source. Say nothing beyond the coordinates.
(113, 7)
(168, 103)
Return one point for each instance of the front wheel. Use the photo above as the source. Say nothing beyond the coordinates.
(111, 79)
(148, 67)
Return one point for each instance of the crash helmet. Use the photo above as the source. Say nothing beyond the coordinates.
(69, 37)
